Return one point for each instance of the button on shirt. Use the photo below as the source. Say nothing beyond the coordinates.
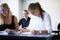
(24, 22)
(39, 24)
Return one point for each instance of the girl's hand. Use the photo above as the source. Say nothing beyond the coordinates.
(24, 30)
(44, 32)
(7, 30)
(34, 32)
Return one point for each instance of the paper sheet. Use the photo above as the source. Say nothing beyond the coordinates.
(3, 33)
(27, 33)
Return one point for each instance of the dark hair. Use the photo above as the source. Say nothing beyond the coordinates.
(36, 5)
(31, 6)
(26, 11)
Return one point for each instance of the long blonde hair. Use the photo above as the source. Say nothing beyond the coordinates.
(1, 20)
(6, 6)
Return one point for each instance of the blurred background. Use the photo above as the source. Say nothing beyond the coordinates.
(52, 7)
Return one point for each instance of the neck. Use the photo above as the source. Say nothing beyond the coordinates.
(26, 18)
(38, 15)
(6, 16)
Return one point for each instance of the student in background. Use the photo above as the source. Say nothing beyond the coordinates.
(24, 21)
(10, 21)
(40, 21)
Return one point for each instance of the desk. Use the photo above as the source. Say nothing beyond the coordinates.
(26, 37)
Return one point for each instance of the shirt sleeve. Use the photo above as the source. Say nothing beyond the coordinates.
(20, 22)
(48, 24)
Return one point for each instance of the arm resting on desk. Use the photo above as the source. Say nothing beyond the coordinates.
(39, 32)
(44, 32)
(24, 30)
(34, 31)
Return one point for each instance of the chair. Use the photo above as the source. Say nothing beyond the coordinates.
(58, 26)
(57, 37)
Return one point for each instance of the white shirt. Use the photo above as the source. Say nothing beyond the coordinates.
(36, 23)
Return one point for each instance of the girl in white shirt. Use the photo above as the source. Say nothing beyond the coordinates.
(40, 21)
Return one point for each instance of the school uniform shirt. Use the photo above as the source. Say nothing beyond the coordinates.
(39, 24)
(24, 22)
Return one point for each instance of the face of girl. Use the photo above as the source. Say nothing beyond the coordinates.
(36, 12)
(25, 14)
(31, 11)
(5, 11)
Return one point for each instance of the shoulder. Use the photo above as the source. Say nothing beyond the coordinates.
(21, 19)
(46, 14)
(29, 17)
(14, 17)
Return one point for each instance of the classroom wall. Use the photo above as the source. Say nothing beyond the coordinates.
(20, 9)
(52, 7)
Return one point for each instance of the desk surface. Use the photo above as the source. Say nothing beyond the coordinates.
(27, 35)
(17, 36)
(40, 35)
